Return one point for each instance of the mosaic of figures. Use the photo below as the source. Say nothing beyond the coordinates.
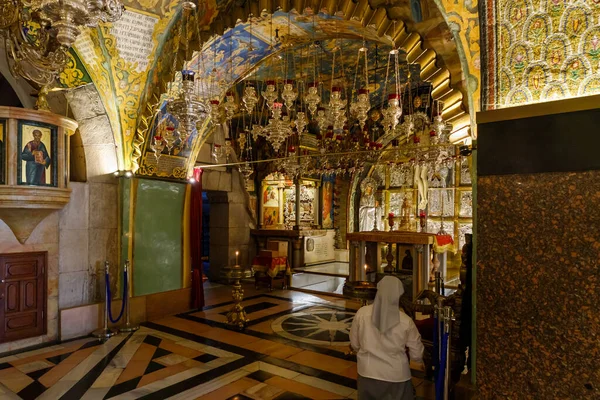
(546, 49)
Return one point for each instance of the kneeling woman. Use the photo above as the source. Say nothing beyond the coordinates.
(381, 335)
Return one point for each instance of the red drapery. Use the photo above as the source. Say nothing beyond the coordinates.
(196, 240)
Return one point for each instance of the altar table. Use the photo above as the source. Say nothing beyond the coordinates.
(269, 269)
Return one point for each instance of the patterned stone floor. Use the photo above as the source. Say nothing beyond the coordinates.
(294, 348)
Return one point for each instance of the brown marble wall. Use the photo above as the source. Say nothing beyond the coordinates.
(538, 286)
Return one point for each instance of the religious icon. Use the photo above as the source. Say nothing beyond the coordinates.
(36, 165)
(270, 196)
(327, 203)
(370, 211)
(270, 216)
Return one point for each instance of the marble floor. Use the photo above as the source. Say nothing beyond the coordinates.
(295, 347)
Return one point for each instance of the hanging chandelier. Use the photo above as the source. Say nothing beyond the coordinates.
(69, 17)
(184, 104)
(321, 123)
(39, 33)
(278, 129)
(187, 108)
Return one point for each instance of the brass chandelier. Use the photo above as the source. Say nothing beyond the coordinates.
(39, 33)
(348, 130)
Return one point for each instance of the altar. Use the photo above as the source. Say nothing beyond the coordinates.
(426, 252)
(304, 247)
(298, 213)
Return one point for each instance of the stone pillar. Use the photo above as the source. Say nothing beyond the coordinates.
(297, 252)
(83, 282)
(230, 224)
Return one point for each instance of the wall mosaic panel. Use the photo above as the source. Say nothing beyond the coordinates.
(541, 50)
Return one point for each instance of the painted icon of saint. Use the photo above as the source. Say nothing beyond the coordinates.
(37, 160)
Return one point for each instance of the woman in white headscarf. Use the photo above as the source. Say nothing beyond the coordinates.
(381, 334)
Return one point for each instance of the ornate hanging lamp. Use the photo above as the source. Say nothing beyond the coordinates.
(393, 112)
(189, 110)
(361, 105)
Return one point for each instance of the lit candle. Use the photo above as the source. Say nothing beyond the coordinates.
(366, 267)
(237, 253)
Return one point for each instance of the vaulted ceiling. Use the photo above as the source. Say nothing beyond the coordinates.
(132, 61)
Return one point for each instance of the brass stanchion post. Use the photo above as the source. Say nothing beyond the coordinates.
(128, 326)
(236, 317)
(106, 332)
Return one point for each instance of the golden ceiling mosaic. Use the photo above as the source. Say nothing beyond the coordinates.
(542, 50)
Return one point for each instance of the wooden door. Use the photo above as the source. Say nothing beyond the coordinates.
(22, 295)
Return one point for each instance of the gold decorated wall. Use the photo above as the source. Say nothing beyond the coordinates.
(121, 59)
(540, 50)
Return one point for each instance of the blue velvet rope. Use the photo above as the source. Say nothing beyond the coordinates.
(435, 351)
(439, 382)
(108, 296)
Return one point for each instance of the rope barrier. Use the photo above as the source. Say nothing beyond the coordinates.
(109, 300)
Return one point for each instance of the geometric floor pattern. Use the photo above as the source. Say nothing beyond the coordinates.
(293, 348)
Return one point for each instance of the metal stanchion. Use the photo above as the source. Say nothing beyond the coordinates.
(439, 283)
(448, 318)
(106, 332)
(440, 326)
(127, 326)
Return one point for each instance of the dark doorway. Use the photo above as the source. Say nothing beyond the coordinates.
(205, 234)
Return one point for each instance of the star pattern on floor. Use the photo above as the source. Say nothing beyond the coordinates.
(318, 325)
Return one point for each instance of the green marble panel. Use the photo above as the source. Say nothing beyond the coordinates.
(158, 237)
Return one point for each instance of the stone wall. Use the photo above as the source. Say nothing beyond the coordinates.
(230, 220)
(89, 223)
(88, 237)
(84, 234)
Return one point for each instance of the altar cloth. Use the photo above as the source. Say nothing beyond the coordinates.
(443, 243)
(271, 265)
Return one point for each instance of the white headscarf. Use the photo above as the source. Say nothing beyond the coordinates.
(386, 309)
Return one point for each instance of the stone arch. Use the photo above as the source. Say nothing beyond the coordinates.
(447, 83)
